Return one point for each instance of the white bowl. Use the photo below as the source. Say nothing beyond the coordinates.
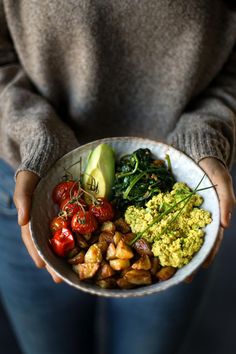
(43, 210)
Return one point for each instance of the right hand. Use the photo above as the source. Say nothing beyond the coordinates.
(26, 182)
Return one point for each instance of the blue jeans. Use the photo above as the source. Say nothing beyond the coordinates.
(57, 319)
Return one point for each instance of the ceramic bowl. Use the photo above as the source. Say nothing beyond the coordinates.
(43, 210)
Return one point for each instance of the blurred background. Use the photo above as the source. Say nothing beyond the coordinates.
(213, 327)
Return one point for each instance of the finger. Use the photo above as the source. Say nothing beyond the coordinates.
(26, 182)
(221, 178)
(225, 192)
(189, 279)
(215, 249)
(55, 277)
(26, 237)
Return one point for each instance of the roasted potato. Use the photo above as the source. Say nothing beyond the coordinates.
(106, 236)
(111, 252)
(123, 251)
(119, 264)
(165, 273)
(81, 241)
(143, 247)
(117, 237)
(155, 265)
(128, 237)
(86, 270)
(93, 255)
(72, 253)
(106, 256)
(108, 226)
(105, 271)
(138, 277)
(124, 284)
(122, 226)
(142, 263)
(79, 258)
(109, 283)
(103, 245)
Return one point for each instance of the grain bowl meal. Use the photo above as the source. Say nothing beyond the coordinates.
(125, 222)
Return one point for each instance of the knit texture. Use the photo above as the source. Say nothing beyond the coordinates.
(74, 71)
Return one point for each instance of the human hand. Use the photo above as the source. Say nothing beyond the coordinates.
(221, 178)
(26, 182)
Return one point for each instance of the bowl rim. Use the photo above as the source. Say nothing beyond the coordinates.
(122, 293)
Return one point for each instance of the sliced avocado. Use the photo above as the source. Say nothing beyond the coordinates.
(99, 174)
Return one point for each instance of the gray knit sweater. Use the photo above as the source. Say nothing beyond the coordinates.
(77, 70)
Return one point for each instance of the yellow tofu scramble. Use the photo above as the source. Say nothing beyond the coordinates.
(178, 235)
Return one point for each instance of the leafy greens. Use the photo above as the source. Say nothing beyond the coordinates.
(139, 177)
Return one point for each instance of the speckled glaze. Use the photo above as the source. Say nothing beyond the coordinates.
(43, 210)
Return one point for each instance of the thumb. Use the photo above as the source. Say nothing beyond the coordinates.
(26, 182)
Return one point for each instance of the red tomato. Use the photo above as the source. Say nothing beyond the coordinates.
(84, 222)
(70, 207)
(63, 190)
(58, 223)
(103, 210)
(62, 242)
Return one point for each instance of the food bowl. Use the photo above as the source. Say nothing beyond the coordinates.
(43, 210)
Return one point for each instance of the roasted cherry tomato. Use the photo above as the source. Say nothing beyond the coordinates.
(63, 190)
(62, 242)
(58, 223)
(71, 207)
(84, 222)
(103, 210)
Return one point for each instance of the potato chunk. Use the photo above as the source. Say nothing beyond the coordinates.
(81, 241)
(143, 247)
(117, 237)
(119, 264)
(108, 226)
(142, 263)
(79, 258)
(72, 253)
(111, 252)
(109, 283)
(155, 265)
(138, 277)
(94, 254)
(106, 237)
(128, 237)
(165, 273)
(122, 226)
(124, 284)
(103, 245)
(86, 270)
(105, 271)
(123, 251)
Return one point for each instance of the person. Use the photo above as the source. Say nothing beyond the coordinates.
(75, 71)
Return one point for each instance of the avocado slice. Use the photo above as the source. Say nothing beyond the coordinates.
(99, 173)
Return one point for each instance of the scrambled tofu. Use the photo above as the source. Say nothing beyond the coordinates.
(178, 234)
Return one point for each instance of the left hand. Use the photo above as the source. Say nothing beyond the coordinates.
(221, 178)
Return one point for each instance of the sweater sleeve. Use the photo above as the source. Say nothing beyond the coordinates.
(32, 136)
(207, 127)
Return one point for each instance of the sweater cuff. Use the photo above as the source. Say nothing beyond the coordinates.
(199, 145)
(39, 154)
